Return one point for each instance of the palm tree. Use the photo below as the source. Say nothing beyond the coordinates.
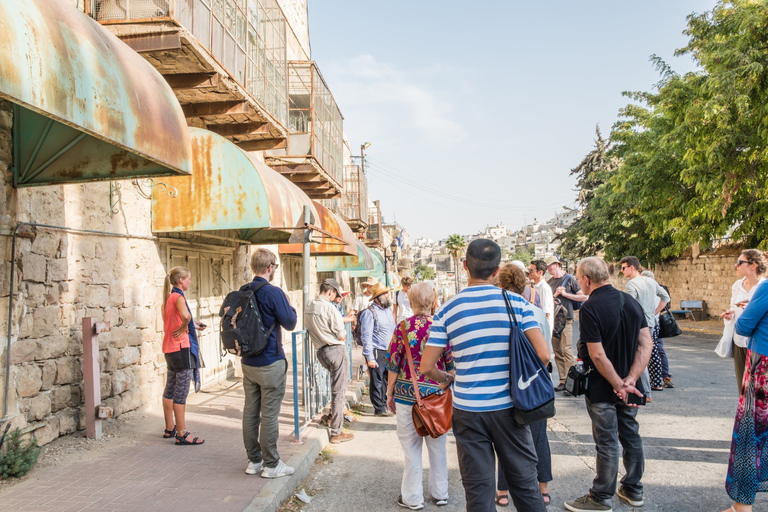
(456, 245)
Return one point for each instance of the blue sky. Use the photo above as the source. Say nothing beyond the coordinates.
(476, 112)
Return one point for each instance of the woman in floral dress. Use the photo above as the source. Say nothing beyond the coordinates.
(748, 462)
(401, 397)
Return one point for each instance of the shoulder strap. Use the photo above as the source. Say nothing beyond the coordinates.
(407, 348)
(510, 309)
(533, 295)
(254, 289)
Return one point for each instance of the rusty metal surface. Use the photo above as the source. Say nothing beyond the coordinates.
(362, 261)
(57, 62)
(228, 190)
(324, 245)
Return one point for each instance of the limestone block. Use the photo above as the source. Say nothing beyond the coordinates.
(52, 295)
(116, 295)
(149, 352)
(61, 397)
(49, 374)
(143, 318)
(46, 244)
(128, 357)
(58, 270)
(46, 321)
(35, 295)
(129, 401)
(96, 296)
(49, 432)
(26, 323)
(112, 315)
(103, 272)
(111, 363)
(67, 293)
(122, 380)
(128, 314)
(51, 347)
(134, 296)
(33, 267)
(105, 385)
(106, 249)
(78, 396)
(29, 379)
(22, 351)
(6, 117)
(63, 251)
(114, 403)
(39, 407)
(75, 343)
(68, 370)
(68, 421)
(85, 247)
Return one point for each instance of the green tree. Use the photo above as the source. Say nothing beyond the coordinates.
(524, 254)
(455, 245)
(424, 273)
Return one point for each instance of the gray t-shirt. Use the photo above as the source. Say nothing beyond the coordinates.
(645, 290)
(571, 287)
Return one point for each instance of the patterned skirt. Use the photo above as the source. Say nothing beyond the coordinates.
(748, 462)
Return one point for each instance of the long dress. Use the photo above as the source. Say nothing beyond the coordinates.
(748, 462)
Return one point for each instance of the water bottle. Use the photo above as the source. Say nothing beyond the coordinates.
(580, 366)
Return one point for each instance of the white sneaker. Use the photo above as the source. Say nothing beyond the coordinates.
(276, 472)
(253, 467)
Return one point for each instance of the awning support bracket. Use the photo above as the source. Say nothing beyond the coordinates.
(38, 147)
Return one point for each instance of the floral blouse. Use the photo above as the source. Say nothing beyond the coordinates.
(417, 330)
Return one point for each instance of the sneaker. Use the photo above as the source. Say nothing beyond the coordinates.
(559, 387)
(343, 437)
(412, 507)
(668, 383)
(253, 467)
(631, 499)
(586, 504)
(385, 414)
(441, 502)
(276, 472)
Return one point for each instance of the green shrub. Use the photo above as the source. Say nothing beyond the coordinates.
(18, 455)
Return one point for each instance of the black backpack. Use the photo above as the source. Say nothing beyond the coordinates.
(357, 332)
(242, 330)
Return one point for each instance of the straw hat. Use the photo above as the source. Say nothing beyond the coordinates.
(370, 282)
(378, 289)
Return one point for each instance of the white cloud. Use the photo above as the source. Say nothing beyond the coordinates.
(379, 97)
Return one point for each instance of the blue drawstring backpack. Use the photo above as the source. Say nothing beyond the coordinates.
(529, 383)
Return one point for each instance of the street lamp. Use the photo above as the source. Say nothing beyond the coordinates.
(363, 147)
(391, 259)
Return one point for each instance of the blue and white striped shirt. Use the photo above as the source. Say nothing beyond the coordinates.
(476, 324)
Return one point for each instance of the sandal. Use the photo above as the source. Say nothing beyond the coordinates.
(546, 497)
(167, 434)
(182, 440)
(504, 497)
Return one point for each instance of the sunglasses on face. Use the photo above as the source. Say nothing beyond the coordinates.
(739, 262)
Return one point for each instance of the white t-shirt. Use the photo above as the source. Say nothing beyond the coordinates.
(403, 306)
(739, 293)
(362, 301)
(544, 291)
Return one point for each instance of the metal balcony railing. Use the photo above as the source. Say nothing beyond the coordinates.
(354, 198)
(246, 37)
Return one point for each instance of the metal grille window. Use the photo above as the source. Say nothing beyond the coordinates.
(354, 199)
(247, 37)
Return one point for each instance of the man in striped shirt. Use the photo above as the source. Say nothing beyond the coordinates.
(476, 324)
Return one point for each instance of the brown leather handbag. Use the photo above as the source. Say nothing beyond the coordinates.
(432, 415)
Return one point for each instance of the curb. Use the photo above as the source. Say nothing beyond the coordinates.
(279, 490)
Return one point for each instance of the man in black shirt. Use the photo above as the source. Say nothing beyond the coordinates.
(615, 344)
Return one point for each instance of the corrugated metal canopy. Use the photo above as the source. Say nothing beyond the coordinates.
(86, 106)
(362, 261)
(342, 243)
(229, 190)
(378, 268)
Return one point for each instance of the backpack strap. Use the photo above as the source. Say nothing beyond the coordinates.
(255, 288)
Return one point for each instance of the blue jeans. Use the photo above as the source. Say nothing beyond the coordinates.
(613, 424)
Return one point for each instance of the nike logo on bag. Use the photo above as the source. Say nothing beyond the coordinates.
(524, 384)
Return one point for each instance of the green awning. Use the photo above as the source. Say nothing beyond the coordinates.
(86, 106)
(362, 261)
(378, 268)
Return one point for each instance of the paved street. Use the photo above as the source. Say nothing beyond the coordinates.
(686, 432)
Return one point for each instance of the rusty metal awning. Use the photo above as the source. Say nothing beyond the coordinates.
(338, 239)
(362, 261)
(86, 106)
(378, 268)
(229, 190)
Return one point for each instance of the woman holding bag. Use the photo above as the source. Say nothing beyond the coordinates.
(750, 266)
(400, 400)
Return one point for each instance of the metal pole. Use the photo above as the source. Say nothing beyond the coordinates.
(305, 261)
(91, 378)
(295, 388)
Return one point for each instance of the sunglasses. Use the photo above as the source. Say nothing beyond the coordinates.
(739, 262)
(624, 267)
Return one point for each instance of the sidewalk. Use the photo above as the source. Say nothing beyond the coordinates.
(153, 474)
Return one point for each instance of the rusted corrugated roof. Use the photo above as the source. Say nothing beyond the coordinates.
(86, 106)
(325, 245)
(362, 261)
(229, 190)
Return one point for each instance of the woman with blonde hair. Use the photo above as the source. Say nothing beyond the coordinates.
(400, 400)
(182, 355)
(512, 278)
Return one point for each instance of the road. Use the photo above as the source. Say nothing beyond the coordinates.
(686, 433)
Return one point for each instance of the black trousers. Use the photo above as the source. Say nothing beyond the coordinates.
(478, 435)
(378, 385)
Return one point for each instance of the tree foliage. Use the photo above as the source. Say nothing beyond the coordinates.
(424, 273)
(688, 163)
(18, 455)
(455, 245)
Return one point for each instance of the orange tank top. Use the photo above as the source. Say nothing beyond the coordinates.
(171, 322)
